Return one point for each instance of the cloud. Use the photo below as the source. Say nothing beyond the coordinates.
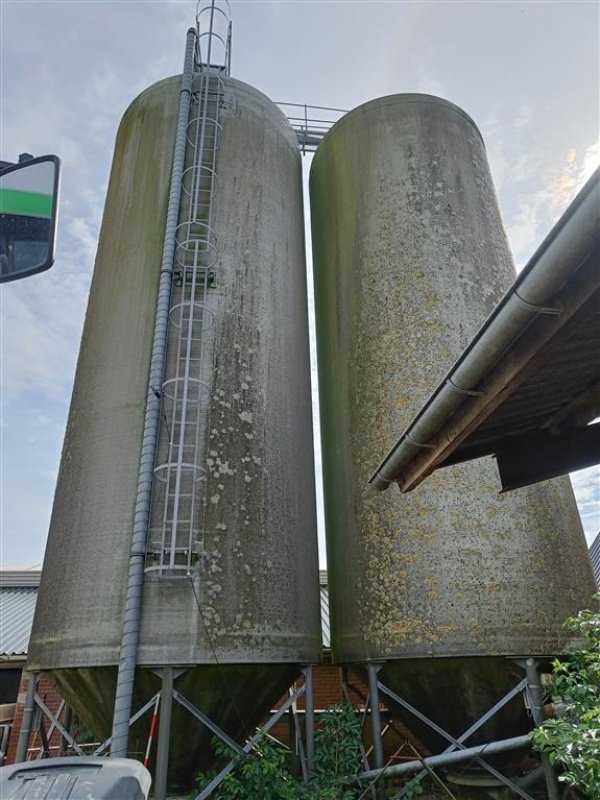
(429, 83)
(41, 324)
(534, 213)
(525, 116)
(586, 485)
(85, 237)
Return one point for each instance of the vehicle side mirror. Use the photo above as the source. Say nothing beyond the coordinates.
(28, 217)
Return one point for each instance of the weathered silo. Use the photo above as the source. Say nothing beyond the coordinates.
(445, 585)
(239, 608)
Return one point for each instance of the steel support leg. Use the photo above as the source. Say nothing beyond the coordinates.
(68, 722)
(309, 719)
(363, 754)
(373, 669)
(164, 734)
(27, 719)
(536, 695)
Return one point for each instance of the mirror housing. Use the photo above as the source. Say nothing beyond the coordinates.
(28, 217)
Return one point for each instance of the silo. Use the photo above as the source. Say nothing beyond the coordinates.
(447, 585)
(242, 614)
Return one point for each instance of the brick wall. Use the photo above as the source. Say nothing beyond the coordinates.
(49, 695)
(327, 689)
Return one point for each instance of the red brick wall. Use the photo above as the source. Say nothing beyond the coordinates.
(327, 689)
(50, 696)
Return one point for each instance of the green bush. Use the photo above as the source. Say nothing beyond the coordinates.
(264, 773)
(337, 755)
(572, 739)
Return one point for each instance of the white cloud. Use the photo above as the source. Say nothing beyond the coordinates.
(524, 117)
(586, 485)
(534, 213)
(85, 237)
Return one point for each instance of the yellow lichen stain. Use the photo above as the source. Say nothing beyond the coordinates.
(430, 300)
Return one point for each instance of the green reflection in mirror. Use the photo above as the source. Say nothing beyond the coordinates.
(28, 215)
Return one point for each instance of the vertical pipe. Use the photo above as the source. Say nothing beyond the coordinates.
(25, 731)
(164, 734)
(536, 695)
(135, 579)
(309, 719)
(373, 669)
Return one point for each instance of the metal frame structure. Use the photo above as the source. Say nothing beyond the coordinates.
(457, 750)
(35, 705)
(310, 123)
(189, 258)
(180, 472)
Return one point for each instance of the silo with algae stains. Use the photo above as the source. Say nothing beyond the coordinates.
(446, 585)
(244, 615)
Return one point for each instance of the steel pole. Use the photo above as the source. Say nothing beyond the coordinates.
(449, 758)
(373, 669)
(536, 695)
(135, 578)
(27, 719)
(309, 718)
(164, 734)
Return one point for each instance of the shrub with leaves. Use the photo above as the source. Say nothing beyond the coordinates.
(337, 755)
(261, 774)
(572, 739)
(264, 772)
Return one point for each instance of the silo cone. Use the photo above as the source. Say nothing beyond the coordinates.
(444, 586)
(248, 616)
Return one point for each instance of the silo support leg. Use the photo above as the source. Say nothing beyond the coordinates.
(164, 734)
(25, 731)
(536, 697)
(459, 743)
(296, 734)
(373, 669)
(309, 721)
(363, 754)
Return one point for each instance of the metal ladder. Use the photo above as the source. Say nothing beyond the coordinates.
(175, 535)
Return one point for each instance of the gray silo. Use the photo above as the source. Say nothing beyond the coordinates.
(444, 585)
(230, 587)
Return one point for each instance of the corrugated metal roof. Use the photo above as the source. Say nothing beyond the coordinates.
(325, 627)
(595, 557)
(18, 594)
(20, 577)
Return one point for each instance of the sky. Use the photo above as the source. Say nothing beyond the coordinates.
(526, 72)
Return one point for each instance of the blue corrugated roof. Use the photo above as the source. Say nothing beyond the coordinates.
(18, 593)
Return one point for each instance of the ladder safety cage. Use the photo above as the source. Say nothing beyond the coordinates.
(175, 537)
